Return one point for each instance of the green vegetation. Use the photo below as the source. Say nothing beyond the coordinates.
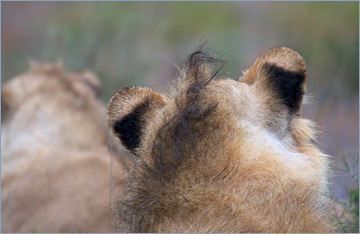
(349, 218)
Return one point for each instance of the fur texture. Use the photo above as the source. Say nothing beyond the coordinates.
(54, 157)
(222, 155)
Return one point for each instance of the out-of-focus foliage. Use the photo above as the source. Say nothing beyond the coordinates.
(130, 42)
(349, 218)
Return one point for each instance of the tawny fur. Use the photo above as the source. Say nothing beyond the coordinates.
(223, 155)
(55, 163)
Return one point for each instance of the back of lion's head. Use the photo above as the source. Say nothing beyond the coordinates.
(222, 155)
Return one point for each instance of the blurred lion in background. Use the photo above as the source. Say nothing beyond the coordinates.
(55, 165)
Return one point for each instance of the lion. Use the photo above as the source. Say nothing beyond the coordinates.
(222, 155)
(55, 163)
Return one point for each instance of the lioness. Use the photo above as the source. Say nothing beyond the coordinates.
(222, 155)
(54, 158)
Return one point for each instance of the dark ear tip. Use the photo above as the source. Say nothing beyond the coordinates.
(122, 103)
(282, 57)
(113, 102)
(128, 110)
(285, 58)
(288, 85)
(126, 99)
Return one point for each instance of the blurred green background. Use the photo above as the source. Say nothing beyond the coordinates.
(135, 43)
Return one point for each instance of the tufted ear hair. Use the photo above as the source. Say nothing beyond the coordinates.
(128, 112)
(282, 73)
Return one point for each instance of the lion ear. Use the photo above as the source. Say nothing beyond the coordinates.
(281, 72)
(128, 112)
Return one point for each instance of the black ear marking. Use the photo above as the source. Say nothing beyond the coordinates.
(129, 127)
(289, 85)
(129, 111)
